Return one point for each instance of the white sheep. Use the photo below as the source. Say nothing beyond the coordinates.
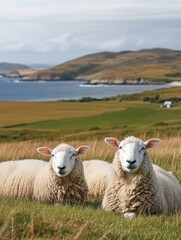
(59, 181)
(97, 174)
(136, 185)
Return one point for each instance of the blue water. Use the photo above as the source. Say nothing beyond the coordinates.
(11, 89)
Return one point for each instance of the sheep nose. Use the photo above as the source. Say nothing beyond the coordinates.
(131, 161)
(61, 168)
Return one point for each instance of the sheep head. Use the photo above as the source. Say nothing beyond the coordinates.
(63, 157)
(131, 151)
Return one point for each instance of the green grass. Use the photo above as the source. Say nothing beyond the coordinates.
(22, 219)
(27, 112)
(163, 94)
(135, 116)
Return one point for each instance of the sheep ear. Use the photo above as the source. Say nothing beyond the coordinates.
(44, 151)
(152, 142)
(113, 142)
(82, 149)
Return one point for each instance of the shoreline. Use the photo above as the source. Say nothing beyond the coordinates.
(143, 87)
(97, 81)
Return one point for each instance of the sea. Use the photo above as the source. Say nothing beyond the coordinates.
(12, 89)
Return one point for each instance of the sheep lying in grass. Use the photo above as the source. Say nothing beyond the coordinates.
(136, 186)
(97, 174)
(59, 181)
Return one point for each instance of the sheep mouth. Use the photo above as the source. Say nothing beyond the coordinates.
(132, 167)
(62, 173)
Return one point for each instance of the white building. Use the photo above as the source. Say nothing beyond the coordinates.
(167, 104)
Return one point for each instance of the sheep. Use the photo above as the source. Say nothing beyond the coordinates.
(59, 181)
(136, 185)
(97, 174)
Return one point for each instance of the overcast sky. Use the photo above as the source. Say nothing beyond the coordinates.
(54, 31)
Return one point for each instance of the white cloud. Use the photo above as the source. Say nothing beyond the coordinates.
(76, 10)
(73, 27)
(113, 44)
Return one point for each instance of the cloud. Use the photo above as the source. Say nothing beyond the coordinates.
(76, 10)
(69, 28)
(112, 44)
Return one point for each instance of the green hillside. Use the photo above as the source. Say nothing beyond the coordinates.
(9, 67)
(159, 65)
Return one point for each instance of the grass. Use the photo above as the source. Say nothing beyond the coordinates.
(167, 154)
(21, 219)
(142, 116)
(87, 120)
(27, 112)
(164, 94)
(26, 126)
(40, 221)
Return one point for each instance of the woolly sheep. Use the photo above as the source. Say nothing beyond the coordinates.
(136, 185)
(59, 181)
(97, 174)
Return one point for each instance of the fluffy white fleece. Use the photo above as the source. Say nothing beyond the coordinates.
(97, 174)
(35, 179)
(150, 190)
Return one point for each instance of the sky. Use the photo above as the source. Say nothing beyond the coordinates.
(55, 31)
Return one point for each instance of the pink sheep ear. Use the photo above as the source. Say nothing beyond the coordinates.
(44, 151)
(113, 142)
(82, 149)
(152, 142)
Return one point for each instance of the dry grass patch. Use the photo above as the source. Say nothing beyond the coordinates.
(27, 112)
(167, 154)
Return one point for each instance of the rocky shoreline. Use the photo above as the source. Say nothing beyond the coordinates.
(138, 81)
(124, 82)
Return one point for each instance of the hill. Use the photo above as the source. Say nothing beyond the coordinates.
(10, 67)
(143, 66)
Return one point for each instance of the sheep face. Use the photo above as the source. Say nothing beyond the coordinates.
(131, 156)
(131, 151)
(63, 157)
(63, 162)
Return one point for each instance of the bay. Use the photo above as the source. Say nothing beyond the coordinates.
(12, 89)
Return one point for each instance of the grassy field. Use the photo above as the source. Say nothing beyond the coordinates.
(26, 126)
(21, 219)
(119, 116)
(28, 112)
(33, 220)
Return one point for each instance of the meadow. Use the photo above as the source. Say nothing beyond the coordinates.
(26, 126)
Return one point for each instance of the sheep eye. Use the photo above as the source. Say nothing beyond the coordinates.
(73, 155)
(142, 149)
(121, 148)
(53, 155)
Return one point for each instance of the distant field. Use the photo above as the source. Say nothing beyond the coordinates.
(125, 115)
(27, 112)
(163, 94)
(135, 116)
